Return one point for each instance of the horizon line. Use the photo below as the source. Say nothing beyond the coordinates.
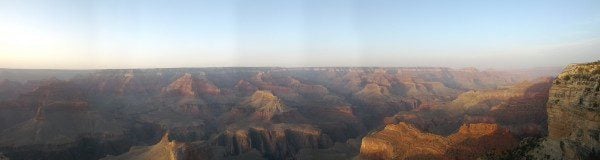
(290, 67)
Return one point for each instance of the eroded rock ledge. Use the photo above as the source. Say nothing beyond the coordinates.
(574, 115)
(403, 141)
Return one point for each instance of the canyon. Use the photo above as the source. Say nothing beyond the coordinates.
(296, 113)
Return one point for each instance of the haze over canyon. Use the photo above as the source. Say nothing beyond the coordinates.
(300, 113)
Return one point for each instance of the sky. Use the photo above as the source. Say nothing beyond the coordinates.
(100, 34)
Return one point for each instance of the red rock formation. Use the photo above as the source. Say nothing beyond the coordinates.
(520, 108)
(273, 141)
(265, 104)
(403, 141)
(183, 85)
(167, 149)
(574, 113)
(207, 88)
(475, 140)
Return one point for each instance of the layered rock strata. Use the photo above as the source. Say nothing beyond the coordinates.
(403, 141)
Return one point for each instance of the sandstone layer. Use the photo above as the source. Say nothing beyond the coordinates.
(403, 141)
(167, 149)
(574, 114)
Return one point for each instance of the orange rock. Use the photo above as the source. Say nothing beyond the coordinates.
(403, 141)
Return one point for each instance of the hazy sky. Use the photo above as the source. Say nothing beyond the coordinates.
(146, 33)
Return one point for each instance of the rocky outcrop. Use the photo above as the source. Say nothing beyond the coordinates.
(520, 108)
(574, 113)
(403, 141)
(60, 124)
(183, 85)
(265, 105)
(207, 88)
(66, 132)
(265, 100)
(278, 141)
(167, 149)
(475, 140)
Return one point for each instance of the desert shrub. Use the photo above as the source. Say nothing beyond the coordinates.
(521, 152)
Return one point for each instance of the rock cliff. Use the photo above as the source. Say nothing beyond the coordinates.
(276, 141)
(403, 141)
(265, 105)
(183, 85)
(167, 149)
(520, 108)
(574, 114)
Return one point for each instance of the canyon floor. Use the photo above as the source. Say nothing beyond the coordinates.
(300, 113)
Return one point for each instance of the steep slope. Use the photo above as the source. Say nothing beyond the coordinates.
(51, 126)
(67, 128)
(403, 141)
(520, 108)
(574, 114)
(183, 85)
(167, 149)
(265, 104)
(277, 141)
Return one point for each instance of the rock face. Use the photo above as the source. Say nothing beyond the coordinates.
(62, 122)
(167, 149)
(474, 140)
(274, 141)
(574, 112)
(265, 104)
(183, 85)
(403, 141)
(520, 108)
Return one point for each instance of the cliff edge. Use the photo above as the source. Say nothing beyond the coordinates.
(574, 115)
